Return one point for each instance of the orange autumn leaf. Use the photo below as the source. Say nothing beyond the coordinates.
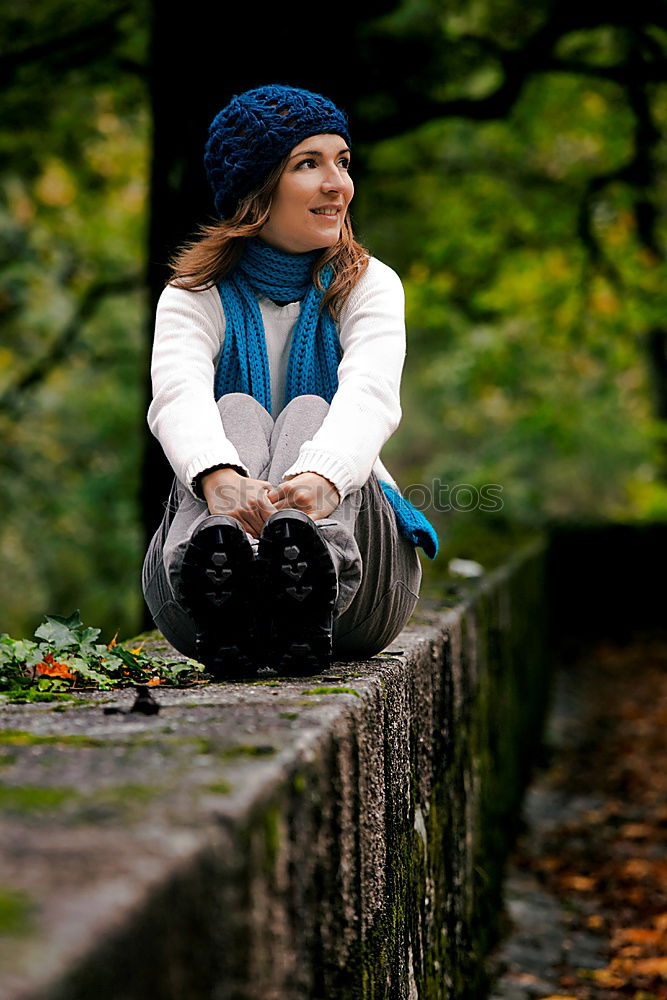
(636, 831)
(651, 966)
(605, 977)
(582, 883)
(49, 667)
(137, 649)
(636, 868)
(639, 935)
(549, 863)
(154, 681)
(113, 642)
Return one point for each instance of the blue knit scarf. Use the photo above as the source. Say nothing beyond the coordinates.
(315, 353)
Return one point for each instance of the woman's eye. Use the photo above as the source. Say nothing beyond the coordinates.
(344, 162)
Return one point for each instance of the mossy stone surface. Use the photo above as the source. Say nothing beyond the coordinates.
(253, 840)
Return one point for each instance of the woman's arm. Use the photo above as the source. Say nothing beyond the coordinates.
(183, 416)
(365, 410)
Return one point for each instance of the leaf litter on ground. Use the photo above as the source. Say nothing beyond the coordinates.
(608, 864)
(64, 656)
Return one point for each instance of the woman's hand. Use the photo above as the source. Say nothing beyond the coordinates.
(309, 492)
(228, 492)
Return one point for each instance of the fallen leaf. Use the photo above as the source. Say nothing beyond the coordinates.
(639, 935)
(652, 966)
(636, 831)
(637, 868)
(605, 977)
(49, 667)
(582, 883)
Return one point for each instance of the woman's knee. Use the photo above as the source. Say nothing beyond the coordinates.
(241, 402)
(306, 404)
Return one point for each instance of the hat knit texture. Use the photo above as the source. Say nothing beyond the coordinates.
(256, 130)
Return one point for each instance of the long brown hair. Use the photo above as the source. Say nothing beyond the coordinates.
(215, 251)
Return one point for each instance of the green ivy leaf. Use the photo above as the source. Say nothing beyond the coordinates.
(71, 622)
(88, 635)
(56, 633)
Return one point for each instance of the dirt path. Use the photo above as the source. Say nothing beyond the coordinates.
(587, 884)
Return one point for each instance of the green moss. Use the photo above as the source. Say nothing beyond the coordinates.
(33, 798)
(16, 909)
(122, 794)
(153, 636)
(45, 798)
(7, 759)
(73, 702)
(219, 788)
(247, 750)
(32, 697)
(20, 738)
(271, 824)
(299, 783)
(289, 715)
(332, 690)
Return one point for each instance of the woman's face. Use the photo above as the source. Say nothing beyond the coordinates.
(311, 197)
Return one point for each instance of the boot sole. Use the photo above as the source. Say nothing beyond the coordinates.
(217, 589)
(299, 576)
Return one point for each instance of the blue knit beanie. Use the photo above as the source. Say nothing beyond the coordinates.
(256, 130)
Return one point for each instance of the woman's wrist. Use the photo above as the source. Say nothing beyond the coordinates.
(222, 473)
(328, 486)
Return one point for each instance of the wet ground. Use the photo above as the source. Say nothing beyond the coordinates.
(586, 891)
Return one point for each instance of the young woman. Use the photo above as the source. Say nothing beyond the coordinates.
(279, 347)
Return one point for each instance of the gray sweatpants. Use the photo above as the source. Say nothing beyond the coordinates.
(378, 571)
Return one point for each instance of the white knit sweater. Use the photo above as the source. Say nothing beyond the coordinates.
(364, 412)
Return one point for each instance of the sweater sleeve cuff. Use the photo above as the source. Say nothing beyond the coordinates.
(207, 460)
(334, 468)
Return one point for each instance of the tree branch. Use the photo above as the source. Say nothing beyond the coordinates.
(638, 172)
(76, 47)
(64, 342)
(536, 56)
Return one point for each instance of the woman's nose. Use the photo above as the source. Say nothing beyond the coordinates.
(332, 179)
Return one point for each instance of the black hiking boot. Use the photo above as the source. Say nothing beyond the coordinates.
(217, 588)
(298, 578)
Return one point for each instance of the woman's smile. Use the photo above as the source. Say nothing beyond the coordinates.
(328, 216)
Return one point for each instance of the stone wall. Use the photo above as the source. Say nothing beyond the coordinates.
(331, 837)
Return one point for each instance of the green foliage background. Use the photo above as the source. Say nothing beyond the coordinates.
(73, 196)
(526, 359)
